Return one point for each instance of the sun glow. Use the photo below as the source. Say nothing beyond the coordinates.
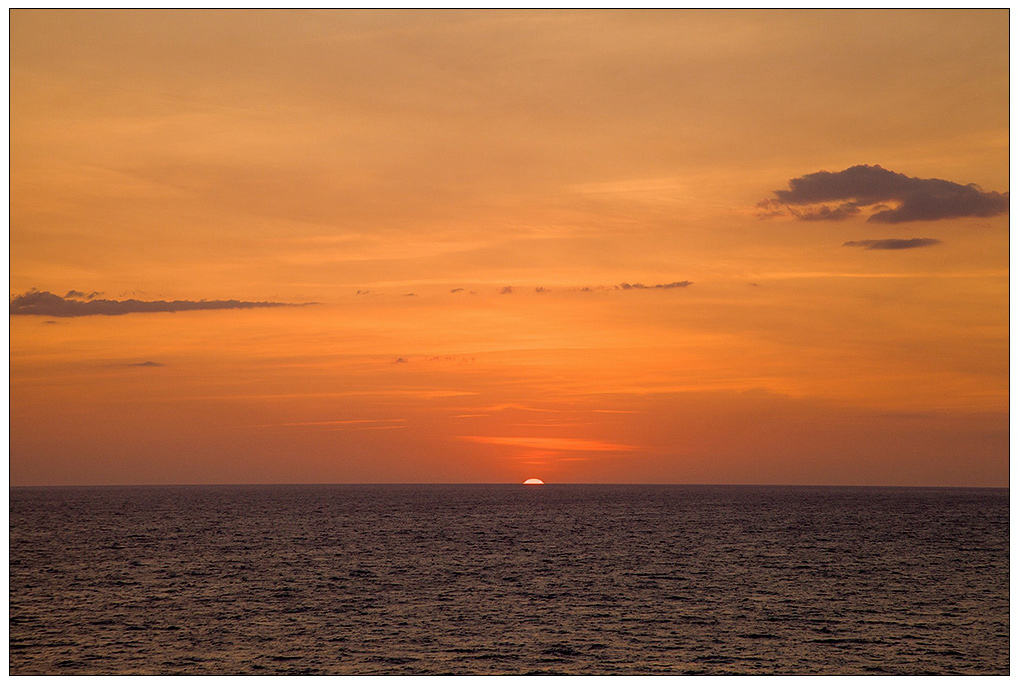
(533, 481)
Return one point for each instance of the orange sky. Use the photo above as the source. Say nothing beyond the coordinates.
(463, 195)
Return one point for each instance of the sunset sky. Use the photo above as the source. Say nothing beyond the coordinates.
(582, 246)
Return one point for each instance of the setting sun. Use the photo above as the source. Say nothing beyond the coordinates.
(533, 481)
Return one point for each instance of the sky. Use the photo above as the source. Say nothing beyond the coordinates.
(359, 246)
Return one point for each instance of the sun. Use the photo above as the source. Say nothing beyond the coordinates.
(533, 480)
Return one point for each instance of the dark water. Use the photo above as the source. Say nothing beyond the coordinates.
(508, 579)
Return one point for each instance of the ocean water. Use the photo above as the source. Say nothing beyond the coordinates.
(500, 579)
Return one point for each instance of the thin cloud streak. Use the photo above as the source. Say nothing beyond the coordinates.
(42, 303)
(550, 443)
(919, 275)
(660, 286)
(911, 243)
(361, 421)
(626, 286)
(404, 394)
(518, 407)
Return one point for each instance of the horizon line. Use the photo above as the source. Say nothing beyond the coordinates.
(505, 484)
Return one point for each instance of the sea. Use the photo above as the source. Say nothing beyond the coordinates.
(508, 580)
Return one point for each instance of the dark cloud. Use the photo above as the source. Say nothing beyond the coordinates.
(78, 294)
(455, 290)
(454, 359)
(147, 364)
(638, 286)
(910, 243)
(400, 360)
(660, 286)
(506, 290)
(825, 213)
(540, 290)
(917, 199)
(36, 303)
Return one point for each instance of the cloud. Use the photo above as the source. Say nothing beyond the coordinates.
(400, 360)
(454, 359)
(862, 186)
(660, 286)
(357, 424)
(551, 443)
(147, 364)
(78, 294)
(455, 290)
(341, 425)
(910, 243)
(824, 213)
(506, 290)
(36, 303)
(637, 286)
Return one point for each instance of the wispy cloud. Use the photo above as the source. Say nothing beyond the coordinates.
(41, 303)
(355, 424)
(77, 294)
(910, 243)
(863, 186)
(563, 424)
(660, 286)
(626, 286)
(517, 407)
(543, 290)
(400, 395)
(550, 443)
